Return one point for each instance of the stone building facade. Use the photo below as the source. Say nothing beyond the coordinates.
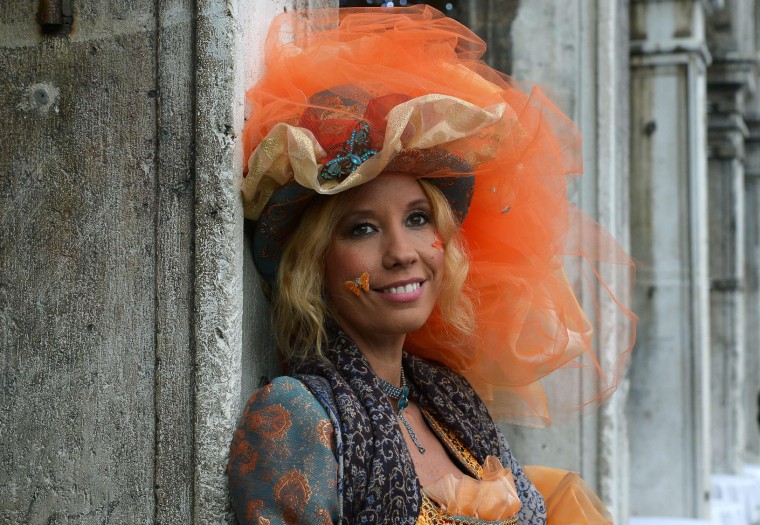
(132, 327)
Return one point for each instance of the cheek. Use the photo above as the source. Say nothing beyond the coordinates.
(343, 265)
(435, 261)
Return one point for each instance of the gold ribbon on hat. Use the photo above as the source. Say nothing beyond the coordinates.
(294, 153)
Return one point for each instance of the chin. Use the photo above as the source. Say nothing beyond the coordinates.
(411, 325)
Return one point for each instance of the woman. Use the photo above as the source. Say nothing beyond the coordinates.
(410, 217)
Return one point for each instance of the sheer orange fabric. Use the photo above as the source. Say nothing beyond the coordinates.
(491, 498)
(522, 231)
(569, 499)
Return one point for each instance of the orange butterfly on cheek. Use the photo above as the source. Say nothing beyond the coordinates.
(358, 284)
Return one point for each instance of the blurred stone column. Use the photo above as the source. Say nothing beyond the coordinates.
(492, 21)
(669, 402)
(751, 395)
(727, 131)
(731, 78)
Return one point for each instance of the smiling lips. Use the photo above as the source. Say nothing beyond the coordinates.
(402, 293)
(409, 288)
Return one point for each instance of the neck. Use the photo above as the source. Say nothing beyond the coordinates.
(383, 354)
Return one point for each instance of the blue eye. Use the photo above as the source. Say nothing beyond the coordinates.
(418, 218)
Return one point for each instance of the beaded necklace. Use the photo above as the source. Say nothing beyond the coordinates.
(402, 395)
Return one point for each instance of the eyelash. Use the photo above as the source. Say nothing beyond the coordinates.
(419, 214)
(360, 230)
(355, 230)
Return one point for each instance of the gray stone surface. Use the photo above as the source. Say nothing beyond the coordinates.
(175, 266)
(121, 260)
(492, 21)
(727, 83)
(562, 445)
(751, 396)
(78, 185)
(669, 404)
(732, 81)
(218, 252)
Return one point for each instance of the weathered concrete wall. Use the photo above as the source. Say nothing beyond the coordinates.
(751, 396)
(174, 265)
(232, 336)
(78, 250)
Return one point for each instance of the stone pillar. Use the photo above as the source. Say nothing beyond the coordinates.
(669, 400)
(84, 424)
(121, 258)
(583, 63)
(751, 395)
(731, 77)
(726, 215)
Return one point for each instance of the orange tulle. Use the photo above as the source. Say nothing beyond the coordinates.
(569, 499)
(522, 232)
(491, 498)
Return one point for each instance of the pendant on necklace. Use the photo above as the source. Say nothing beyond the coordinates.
(402, 395)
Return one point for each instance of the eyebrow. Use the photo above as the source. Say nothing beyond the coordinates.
(417, 203)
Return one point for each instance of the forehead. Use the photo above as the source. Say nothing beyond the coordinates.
(385, 190)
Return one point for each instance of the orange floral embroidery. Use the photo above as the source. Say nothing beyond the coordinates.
(292, 493)
(261, 394)
(271, 422)
(323, 517)
(252, 510)
(242, 453)
(324, 433)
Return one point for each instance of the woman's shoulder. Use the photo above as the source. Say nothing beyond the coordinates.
(284, 444)
(272, 407)
(282, 388)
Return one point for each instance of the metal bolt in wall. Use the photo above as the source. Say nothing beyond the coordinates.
(55, 17)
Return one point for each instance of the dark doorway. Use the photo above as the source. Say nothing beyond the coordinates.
(452, 8)
(491, 20)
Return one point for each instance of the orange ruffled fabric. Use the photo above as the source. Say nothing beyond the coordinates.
(521, 229)
(569, 499)
(491, 498)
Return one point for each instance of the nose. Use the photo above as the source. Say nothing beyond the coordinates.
(399, 250)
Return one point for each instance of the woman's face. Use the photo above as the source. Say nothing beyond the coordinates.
(386, 231)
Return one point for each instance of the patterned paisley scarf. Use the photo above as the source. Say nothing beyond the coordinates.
(376, 478)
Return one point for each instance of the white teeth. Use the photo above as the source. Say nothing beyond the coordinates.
(409, 288)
